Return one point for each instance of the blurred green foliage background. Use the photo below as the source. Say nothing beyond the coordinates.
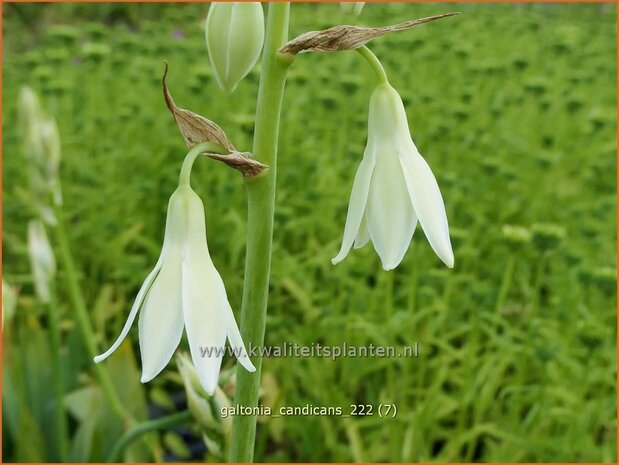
(514, 108)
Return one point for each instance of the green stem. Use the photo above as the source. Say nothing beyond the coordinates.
(375, 63)
(60, 417)
(143, 428)
(83, 320)
(261, 203)
(508, 276)
(191, 157)
(388, 306)
(539, 278)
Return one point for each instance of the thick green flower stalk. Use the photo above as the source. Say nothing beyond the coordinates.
(261, 207)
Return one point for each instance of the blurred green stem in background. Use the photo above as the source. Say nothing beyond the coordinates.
(375, 63)
(61, 427)
(261, 203)
(539, 282)
(81, 314)
(508, 276)
(143, 428)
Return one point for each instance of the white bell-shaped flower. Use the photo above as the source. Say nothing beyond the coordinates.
(393, 189)
(234, 38)
(184, 290)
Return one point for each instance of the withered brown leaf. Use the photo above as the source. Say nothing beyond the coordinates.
(340, 38)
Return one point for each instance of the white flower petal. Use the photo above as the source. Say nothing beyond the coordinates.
(204, 299)
(133, 313)
(391, 219)
(428, 203)
(356, 207)
(161, 319)
(204, 320)
(363, 236)
(236, 342)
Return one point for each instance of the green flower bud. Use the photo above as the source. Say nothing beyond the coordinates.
(197, 402)
(9, 301)
(42, 259)
(41, 147)
(234, 38)
(352, 8)
(29, 112)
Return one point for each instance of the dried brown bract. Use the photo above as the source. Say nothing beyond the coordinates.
(194, 128)
(240, 161)
(340, 38)
(197, 129)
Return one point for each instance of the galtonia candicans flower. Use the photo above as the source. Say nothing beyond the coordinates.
(393, 189)
(184, 290)
(234, 37)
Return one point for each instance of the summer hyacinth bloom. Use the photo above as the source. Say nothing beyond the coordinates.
(393, 189)
(184, 290)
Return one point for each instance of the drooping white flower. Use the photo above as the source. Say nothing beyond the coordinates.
(393, 189)
(184, 290)
(234, 36)
(42, 260)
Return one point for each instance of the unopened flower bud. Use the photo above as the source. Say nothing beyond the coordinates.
(41, 146)
(50, 141)
(41, 259)
(352, 8)
(234, 38)
(29, 113)
(198, 405)
(9, 301)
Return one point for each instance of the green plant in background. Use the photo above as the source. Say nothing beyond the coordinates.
(41, 150)
(517, 342)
